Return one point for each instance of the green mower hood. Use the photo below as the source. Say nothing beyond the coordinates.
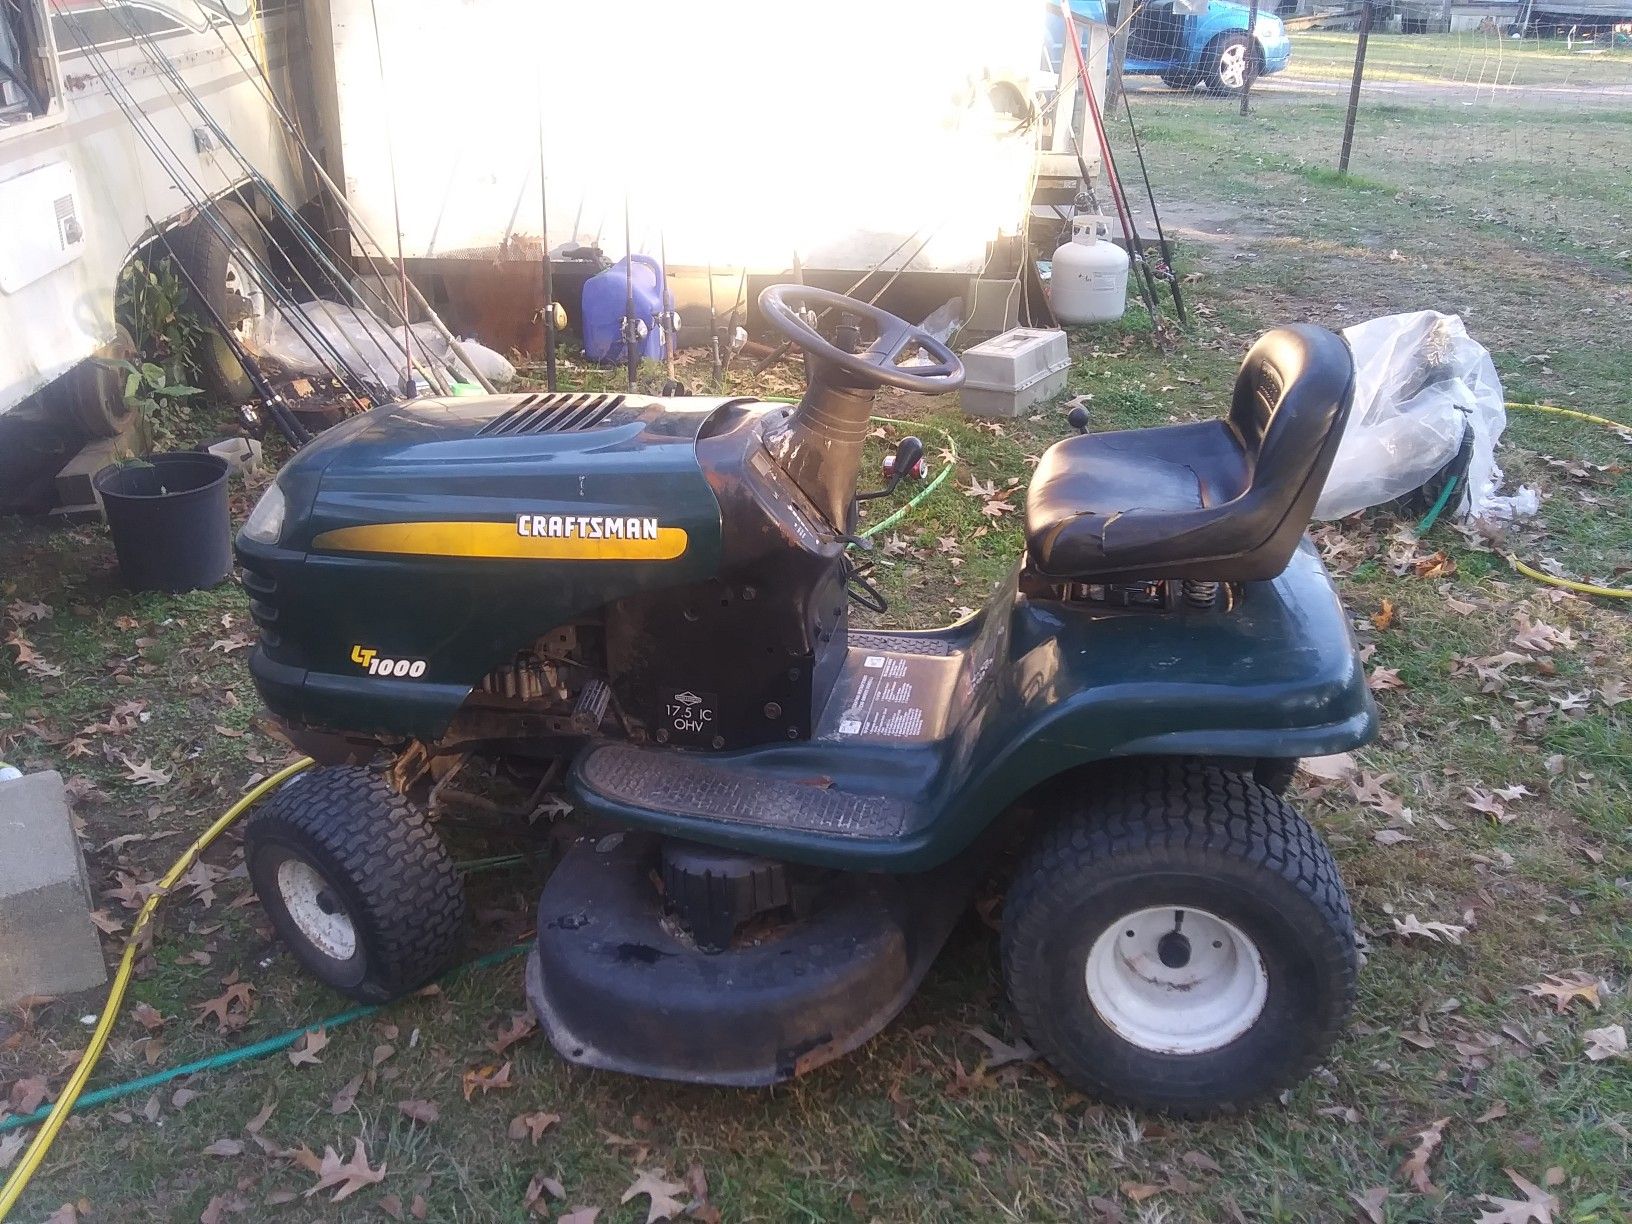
(424, 542)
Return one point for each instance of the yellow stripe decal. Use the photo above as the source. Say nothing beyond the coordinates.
(497, 540)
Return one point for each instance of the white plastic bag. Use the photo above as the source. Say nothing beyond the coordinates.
(1420, 382)
(368, 349)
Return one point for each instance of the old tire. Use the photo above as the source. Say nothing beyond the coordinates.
(227, 260)
(1189, 1028)
(356, 881)
(1231, 59)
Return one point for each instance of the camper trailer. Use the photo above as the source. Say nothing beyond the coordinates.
(874, 140)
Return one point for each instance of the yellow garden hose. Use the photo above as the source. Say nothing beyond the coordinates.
(64, 1103)
(1530, 571)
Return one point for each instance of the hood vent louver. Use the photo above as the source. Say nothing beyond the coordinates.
(556, 412)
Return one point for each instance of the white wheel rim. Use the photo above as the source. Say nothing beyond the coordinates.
(315, 910)
(1175, 980)
(248, 289)
(1232, 66)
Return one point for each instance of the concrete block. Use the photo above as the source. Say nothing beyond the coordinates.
(48, 944)
(75, 515)
(74, 480)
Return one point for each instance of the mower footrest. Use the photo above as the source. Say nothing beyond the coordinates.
(666, 781)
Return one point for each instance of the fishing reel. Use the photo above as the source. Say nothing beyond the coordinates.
(554, 314)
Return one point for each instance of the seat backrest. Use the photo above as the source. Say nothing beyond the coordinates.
(1291, 401)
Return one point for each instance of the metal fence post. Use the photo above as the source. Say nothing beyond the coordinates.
(1354, 87)
(1252, 54)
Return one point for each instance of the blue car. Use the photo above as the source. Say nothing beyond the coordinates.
(1188, 49)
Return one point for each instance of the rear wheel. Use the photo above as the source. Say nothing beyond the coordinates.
(356, 881)
(1231, 61)
(1180, 940)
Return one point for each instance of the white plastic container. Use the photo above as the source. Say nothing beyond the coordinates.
(1090, 278)
(1009, 373)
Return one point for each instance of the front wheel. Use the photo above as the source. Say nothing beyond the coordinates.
(356, 881)
(1231, 61)
(1180, 941)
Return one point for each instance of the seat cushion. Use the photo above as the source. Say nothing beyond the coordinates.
(1224, 500)
(1095, 497)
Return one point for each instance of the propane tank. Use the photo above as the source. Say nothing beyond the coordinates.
(1090, 280)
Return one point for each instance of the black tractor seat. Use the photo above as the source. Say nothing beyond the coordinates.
(1224, 500)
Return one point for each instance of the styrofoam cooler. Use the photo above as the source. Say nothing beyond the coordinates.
(1009, 373)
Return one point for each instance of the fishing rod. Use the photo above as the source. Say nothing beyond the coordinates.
(670, 316)
(713, 326)
(548, 270)
(631, 325)
(200, 201)
(1147, 292)
(735, 342)
(1130, 231)
(1170, 275)
(297, 225)
(396, 206)
(353, 217)
(276, 407)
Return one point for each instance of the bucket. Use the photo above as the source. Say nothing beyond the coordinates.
(169, 519)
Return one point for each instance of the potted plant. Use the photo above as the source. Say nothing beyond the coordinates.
(167, 510)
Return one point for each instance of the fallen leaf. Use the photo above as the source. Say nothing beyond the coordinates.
(10, 1145)
(1202, 1161)
(1439, 565)
(534, 1197)
(580, 1215)
(144, 773)
(522, 1026)
(1140, 1191)
(1384, 616)
(255, 1124)
(1415, 1166)
(349, 1176)
(1390, 837)
(419, 1111)
(1448, 931)
(225, 1147)
(308, 1048)
(1001, 1053)
(1536, 1207)
(1498, 1110)
(1565, 988)
(486, 1079)
(1606, 1042)
(347, 1096)
(27, 1094)
(532, 1125)
(661, 1192)
(1371, 1203)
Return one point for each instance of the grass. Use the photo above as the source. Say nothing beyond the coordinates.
(1466, 58)
(910, 1128)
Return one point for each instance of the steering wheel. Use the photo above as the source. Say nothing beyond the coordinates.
(875, 365)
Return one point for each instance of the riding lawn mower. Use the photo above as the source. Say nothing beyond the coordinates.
(778, 817)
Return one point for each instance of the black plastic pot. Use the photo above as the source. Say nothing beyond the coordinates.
(168, 515)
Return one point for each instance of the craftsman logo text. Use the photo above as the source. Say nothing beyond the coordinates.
(585, 527)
